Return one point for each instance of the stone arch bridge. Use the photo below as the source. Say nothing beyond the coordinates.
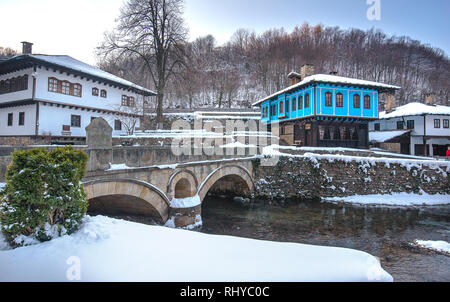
(150, 190)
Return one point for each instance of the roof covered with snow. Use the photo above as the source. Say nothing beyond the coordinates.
(327, 78)
(74, 65)
(384, 136)
(416, 109)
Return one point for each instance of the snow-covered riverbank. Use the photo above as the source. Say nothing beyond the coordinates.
(117, 250)
(395, 199)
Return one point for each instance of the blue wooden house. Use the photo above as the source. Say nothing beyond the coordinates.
(324, 110)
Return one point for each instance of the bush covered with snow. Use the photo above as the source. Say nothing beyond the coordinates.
(43, 197)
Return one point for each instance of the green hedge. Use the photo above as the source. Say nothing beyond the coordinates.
(43, 197)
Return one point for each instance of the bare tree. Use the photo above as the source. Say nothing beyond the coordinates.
(130, 113)
(152, 31)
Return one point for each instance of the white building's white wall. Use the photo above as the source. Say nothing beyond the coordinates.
(391, 124)
(431, 131)
(18, 95)
(111, 102)
(418, 132)
(52, 119)
(15, 130)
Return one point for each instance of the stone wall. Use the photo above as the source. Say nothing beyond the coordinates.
(315, 177)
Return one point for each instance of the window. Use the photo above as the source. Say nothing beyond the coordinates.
(65, 87)
(287, 105)
(377, 127)
(399, 125)
(10, 119)
(294, 104)
(437, 123)
(446, 123)
(14, 84)
(307, 100)
(328, 99)
(130, 101)
(52, 85)
(124, 100)
(367, 101)
(300, 102)
(95, 91)
(281, 108)
(117, 125)
(339, 100)
(77, 90)
(103, 93)
(282, 130)
(21, 118)
(410, 124)
(75, 121)
(356, 101)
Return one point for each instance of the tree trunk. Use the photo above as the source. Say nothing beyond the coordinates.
(159, 111)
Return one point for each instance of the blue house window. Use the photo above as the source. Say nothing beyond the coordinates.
(307, 100)
(294, 104)
(339, 100)
(328, 99)
(287, 105)
(356, 101)
(367, 101)
(300, 102)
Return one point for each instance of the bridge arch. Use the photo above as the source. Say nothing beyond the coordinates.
(238, 175)
(183, 183)
(127, 196)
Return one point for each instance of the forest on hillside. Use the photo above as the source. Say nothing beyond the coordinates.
(251, 66)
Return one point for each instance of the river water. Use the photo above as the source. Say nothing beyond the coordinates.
(385, 232)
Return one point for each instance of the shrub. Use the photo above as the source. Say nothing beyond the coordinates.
(43, 197)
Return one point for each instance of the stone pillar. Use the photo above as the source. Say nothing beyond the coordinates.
(99, 141)
(185, 218)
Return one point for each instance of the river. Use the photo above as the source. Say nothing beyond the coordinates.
(385, 232)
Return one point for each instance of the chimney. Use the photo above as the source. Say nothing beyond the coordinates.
(390, 102)
(307, 70)
(294, 78)
(430, 98)
(27, 48)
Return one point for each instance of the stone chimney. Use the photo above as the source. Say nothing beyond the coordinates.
(390, 102)
(27, 48)
(430, 99)
(307, 70)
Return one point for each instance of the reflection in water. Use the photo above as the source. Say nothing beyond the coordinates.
(385, 232)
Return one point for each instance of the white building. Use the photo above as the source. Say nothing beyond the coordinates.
(47, 98)
(407, 129)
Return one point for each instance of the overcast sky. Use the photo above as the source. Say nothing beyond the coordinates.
(76, 27)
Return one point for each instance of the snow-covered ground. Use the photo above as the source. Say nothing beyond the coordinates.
(106, 249)
(2, 185)
(440, 246)
(395, 199)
